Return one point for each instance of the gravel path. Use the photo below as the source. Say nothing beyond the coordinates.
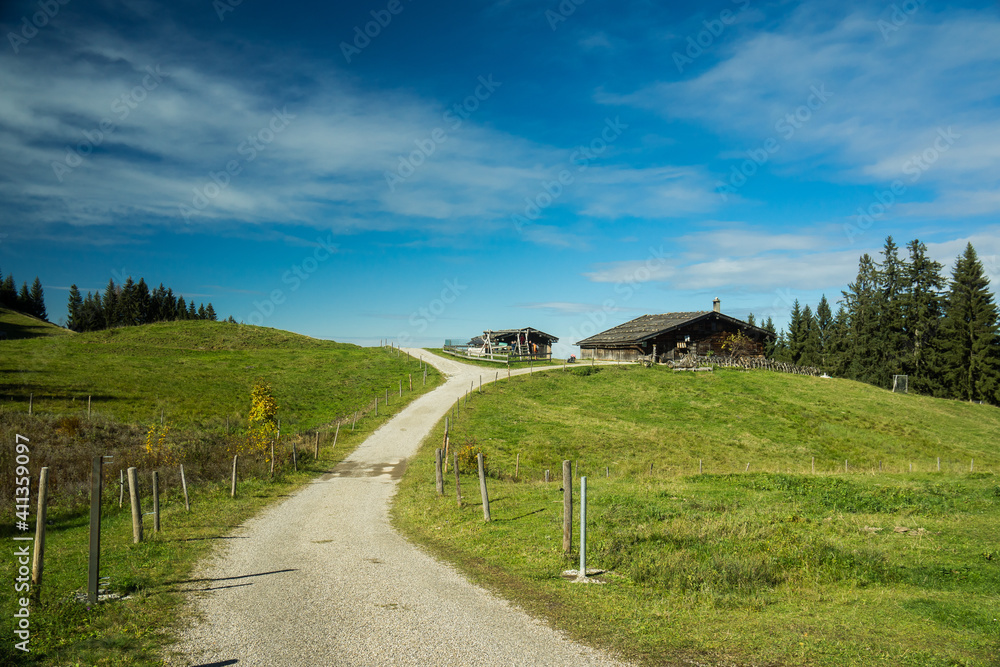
(323, 579)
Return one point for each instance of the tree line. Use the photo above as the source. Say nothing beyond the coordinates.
(131, 304)
(30, 301)
(901, 316)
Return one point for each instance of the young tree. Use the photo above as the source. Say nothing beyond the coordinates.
(769, 348)
(75, 308)
(210, 312)
(970, 340)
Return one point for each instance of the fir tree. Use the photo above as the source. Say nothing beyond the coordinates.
(143, 306)
(751, 321)
(824, 330)
(796, 334)
(24, 299)
(38, 300)
(809, 348)
(862, 358)
(192, 313)
(922, 313)
(75, 308)
(769, 346)
(110, 304)
(181, 312)
(8, 293)
(971, 333)
(127, 311)
(210, 313)
(891, 348)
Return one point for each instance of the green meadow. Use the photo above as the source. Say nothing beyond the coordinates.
(757, 560)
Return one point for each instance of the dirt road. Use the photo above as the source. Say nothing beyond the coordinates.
(323, 579)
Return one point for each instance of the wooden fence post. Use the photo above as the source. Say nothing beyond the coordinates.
(184, 486)
(295, 457)
(410, 376)
(316, 455)
(567, 506)
(121, 488)
(482, 487)
(517, 466)
(401, 389)
(438, 472)
(236, 458)
(94, 569)
(546, 475)
(458, 482)
(88, 407)
(133, 493)
(38, 558)
(156, 501)
(272, 457)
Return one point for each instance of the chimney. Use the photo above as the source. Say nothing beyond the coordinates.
(717, 305)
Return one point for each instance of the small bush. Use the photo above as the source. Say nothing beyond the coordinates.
(468, 453)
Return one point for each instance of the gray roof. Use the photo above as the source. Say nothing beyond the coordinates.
(504, 333)
(650, 326)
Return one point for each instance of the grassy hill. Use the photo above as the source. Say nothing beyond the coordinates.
(198, 373)
(15, 325)
(194, 372)
(775, 565)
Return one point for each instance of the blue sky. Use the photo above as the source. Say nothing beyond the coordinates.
(420, 170)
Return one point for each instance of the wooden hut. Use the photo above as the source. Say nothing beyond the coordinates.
(520, 343)
(672, 335)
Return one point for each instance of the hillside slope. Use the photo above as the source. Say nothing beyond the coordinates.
(194, 372)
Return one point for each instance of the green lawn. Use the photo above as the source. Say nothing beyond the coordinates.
(772, 566)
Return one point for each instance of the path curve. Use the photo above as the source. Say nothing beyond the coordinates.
(323, 579)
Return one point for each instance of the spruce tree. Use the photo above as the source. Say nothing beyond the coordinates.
(810, 346)
(127, 311)
(110, 305)
(75, 308)
(796, 334)
(143, 305)
(862, 358)
(769, 347)
(970, 333)
(210, 312)
(751, 321)
(824, 326)
(24, 299)
(837, 344)
(922, 313)
(8, 293)
(38, 300)
(181, 312)
(891, 345)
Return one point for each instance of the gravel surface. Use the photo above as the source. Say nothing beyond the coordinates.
(323, 579)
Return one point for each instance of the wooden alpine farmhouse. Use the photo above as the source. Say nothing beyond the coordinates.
(670, 336)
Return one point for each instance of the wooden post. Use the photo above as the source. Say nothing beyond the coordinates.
(814, 465)
(458, 482)
(748, 467)
(410, 376)
(567, 506)
(480, 383)
(232, 491)
(438, 471)
(88, 407)
(121, 488)
(401, 389)
(972, 463)
(607, 471)
(94, 569)
(845, 465)
(184, 486)
(583, 528)
(156, 501)
(38, 558)
(31, 398)
(295, 457)
(447, 443)
(161, 416)
(517, 465)
(376, 405)
(355, 421)
(316, 455)
(272, 457)
(699, 466)
(497, 377)
(939, 464)
(336, 435)
(133, 494)
(386, 398)
(546, 475)
(482, 487)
